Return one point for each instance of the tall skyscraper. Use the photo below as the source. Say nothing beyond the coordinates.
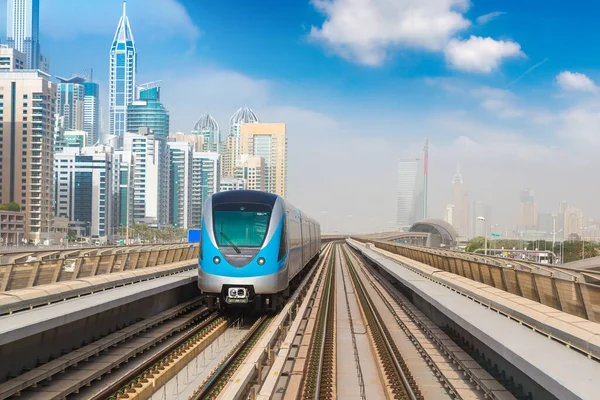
(148, 112)
(410, 192)
(208, 128)
(527, 211)
(232, 143)
(91, 112)
(23, 31)
(123, 69)
(425, 176)
(26, 160)
(83, 189)
(268, 141)
(180, 191)
(461, 205)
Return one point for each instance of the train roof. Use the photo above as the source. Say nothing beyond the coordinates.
(250, 196)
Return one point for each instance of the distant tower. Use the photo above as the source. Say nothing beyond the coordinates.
(410, 192)
(123, 69)
(23, 31)
(461, 205)
(425, 171)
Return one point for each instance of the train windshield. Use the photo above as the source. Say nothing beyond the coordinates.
(241, 225)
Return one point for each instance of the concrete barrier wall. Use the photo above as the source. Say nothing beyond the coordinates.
(24, 275)
(573, 297)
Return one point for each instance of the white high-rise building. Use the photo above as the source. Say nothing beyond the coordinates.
(150, 177)
(180, 190)
(229, 183)
(84, 189)
(23, 31)
(410, 192)
(206, 178)
(123, 69)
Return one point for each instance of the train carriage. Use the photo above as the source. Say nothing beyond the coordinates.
(253, 245)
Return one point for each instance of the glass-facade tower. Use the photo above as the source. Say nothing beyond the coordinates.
(123, 68)
(148, 112)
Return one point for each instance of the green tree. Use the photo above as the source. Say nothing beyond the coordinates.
(475, 243)
(72, 235)
(12, 206)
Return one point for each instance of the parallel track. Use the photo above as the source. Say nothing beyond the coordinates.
(319, 379)
(398, 376)
(152, 367)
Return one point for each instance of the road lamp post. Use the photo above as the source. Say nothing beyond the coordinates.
(485, 238)
(494, 237)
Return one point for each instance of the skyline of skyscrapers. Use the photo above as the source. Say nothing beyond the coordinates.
(123, 70)
(142, 173)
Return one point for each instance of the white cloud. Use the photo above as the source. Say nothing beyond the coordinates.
(366, 31)
(484, 19)
(63, 19)
(575, 81)
(501, 102)
(478, 54)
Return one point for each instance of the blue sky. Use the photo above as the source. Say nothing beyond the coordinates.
(505, 88)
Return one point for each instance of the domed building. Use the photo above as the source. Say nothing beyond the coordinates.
(209, 129)
(441, 233)
(243, 115)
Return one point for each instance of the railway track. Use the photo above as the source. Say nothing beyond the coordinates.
(459, 375)
(215, 383)
(319, 378)
(71, 372)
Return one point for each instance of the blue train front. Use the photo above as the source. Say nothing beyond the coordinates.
(253, 246)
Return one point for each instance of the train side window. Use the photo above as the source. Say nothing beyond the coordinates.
(282, 242)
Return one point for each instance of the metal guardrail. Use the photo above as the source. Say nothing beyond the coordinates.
(571, 296)
(24, 275)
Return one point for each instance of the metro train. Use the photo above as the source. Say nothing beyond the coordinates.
(254, 245)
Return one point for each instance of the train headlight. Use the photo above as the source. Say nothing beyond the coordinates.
(260, 261)
(216, 259)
